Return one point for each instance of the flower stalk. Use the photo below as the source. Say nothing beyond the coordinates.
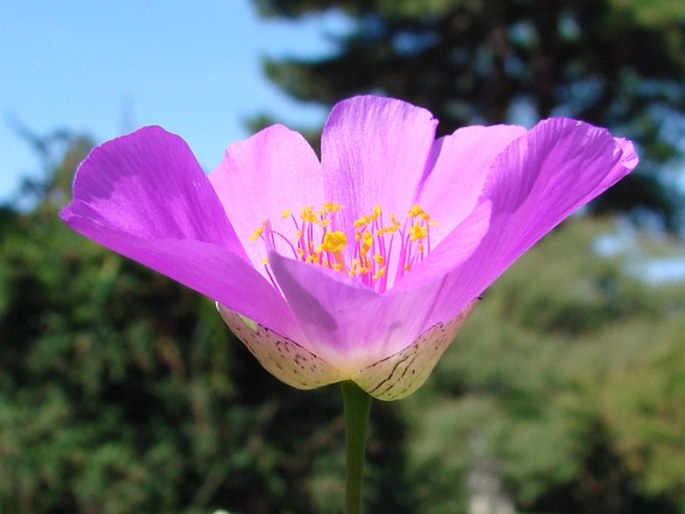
(356, 404)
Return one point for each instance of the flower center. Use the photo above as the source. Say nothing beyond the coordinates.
(377, 250)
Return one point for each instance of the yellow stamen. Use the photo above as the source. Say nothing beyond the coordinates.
(333, 241)
(258, 232)
(417, 212)
(361, 222)
(318, 244)
(367, 241)
(308, 215)
(417, 232)
(331, 207)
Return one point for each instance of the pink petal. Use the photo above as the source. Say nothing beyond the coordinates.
(347, 324)
(259, 178)
(536, 182)
(462, 163)
(374, 152)
(150, 185)
(454, 250)
(145, 196)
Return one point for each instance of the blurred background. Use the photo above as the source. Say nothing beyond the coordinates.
(121, 392)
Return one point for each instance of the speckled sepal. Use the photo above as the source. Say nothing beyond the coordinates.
(401, 374)
(283, 358)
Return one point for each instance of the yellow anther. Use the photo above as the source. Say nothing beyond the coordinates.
(361, 222)
(331, 207)
(358, 268)
(333, 241)
(379, 273)
(308, 214)
(317, 244)
(417, 212)
(258, 232)
(417, 232)
(389, 229)
(367, 241)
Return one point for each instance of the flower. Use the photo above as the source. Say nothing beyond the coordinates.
(362, 265)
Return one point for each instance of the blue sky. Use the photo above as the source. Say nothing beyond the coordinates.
(107, 67)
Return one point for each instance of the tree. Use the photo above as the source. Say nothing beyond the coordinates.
(615, 63)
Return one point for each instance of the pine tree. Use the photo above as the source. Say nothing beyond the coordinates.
(615, 63)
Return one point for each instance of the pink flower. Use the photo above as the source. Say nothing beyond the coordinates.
(361, 266)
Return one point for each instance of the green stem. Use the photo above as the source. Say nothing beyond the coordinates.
(357, 404)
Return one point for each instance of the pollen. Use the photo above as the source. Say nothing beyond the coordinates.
(258, 232)
(330, 207)
(417, 232)
(376, 249)
(333, 241)
(307, 214)
(417, 212)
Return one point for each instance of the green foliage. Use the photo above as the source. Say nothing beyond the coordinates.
(569, 377)
(616, 63)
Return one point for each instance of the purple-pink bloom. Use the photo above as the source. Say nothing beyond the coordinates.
(362, 265)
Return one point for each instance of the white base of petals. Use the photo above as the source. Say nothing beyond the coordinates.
(283, 358)
(392, 378)
(399, 375)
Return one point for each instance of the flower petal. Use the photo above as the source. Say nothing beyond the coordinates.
(451, 252)
(399, 375)
(145, 196)
(537, 181)
(284, 358)
(149, 184)
(455, 182)
(259, 178)
(346, 323)
(373, 152)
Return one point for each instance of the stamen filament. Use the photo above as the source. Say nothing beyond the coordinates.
(319, 241)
